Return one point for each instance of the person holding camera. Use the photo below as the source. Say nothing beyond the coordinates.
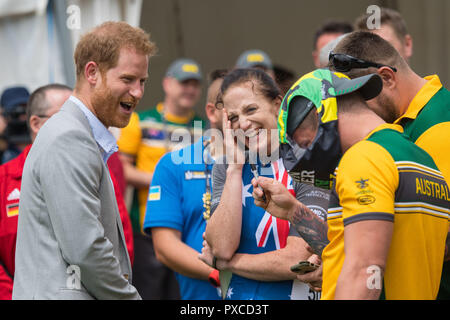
(16, 134)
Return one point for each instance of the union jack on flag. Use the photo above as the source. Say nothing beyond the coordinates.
(268, 223)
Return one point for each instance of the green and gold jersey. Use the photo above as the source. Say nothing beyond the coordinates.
(387, 177)
(148, 136)
(427, 123)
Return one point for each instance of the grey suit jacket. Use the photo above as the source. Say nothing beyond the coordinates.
(70, 242)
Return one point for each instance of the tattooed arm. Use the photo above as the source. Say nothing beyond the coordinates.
(310, 227)
(280, 203)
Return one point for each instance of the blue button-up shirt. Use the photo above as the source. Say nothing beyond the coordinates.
(105, 140)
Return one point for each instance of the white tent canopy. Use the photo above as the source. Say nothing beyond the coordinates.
(37, 37)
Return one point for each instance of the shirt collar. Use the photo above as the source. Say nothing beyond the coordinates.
(422, 97)
(383, 126)
(105, 139)
(174, 118)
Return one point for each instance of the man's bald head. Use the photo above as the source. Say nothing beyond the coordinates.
(43, 103)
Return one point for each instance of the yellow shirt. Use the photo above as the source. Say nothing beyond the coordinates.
(427, 122)
(387, 177)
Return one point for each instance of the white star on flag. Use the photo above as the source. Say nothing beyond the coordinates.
(229, 292)
(245, 193)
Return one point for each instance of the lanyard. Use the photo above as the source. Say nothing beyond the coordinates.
(207, 195)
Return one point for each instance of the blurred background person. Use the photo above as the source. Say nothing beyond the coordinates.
(17, 136)
(284, 77)
(3, 141)
(392, 29)
(325, 51)
(41, 108)
(179, 204)
(259, 59)
(142, 143)
(327, 32)
(256, 58)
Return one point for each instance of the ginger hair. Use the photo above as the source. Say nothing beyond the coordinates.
(103, 44)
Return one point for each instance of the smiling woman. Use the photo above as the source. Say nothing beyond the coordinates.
(251, 101)
(257, 248)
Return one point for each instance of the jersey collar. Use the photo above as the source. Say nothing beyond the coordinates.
(422, 97)
(383, 126)
(173, 118)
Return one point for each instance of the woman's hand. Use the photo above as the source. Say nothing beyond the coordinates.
(234, 153)
(207, 256)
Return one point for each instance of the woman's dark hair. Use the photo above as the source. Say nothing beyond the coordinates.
(262, 83)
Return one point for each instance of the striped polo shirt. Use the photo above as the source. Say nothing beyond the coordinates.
(427, 123)
(388, 177)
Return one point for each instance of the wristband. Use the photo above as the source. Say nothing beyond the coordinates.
(214, 279)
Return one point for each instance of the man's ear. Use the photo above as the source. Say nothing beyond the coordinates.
(388, 76)
(166, 84)
(92, 72)
(212, 113)
(315, 56)
(35, 124)
(408, 47)
(277, 104)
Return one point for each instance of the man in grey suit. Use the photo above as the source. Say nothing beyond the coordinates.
(70, 242)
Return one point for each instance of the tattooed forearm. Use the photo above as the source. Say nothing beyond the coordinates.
(311, 228)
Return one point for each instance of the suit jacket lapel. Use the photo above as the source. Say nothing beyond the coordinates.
(75, 111)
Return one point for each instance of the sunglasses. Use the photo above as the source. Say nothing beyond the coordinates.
(344, 63)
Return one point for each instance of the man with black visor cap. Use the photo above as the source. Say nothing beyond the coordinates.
(314, 161)
(324, 122)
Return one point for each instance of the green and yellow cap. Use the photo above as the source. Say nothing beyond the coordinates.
(320, 88)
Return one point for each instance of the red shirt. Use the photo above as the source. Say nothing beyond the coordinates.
(10, 180)
(116, 169)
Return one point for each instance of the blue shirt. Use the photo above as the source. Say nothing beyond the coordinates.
(105, 140)
(176, 201)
